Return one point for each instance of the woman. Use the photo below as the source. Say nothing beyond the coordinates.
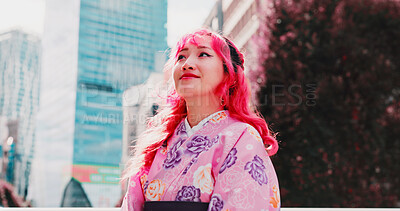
(208, 151)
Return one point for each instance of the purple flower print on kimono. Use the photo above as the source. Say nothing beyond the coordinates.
(194, 160)
(256, 170)
(174, 155)
(188, 193)
(145, 185)
(216, 203)
(197, 145)
(200, 143)
(229, 161)
(181, 129)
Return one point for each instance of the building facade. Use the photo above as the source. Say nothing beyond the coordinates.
(140, 102)
(118, 45)
(237, 19)
(113, 45)
(240, 20)
(20, 66)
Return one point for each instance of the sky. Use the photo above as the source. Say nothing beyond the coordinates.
(183, 16)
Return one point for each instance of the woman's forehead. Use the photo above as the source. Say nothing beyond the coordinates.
(198, 41)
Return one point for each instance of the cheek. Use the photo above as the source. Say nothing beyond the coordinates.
(218, 75)
(218, 81)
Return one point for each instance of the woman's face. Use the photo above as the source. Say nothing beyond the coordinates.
(198, 70)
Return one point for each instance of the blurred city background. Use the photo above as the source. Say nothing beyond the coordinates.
(79, 78)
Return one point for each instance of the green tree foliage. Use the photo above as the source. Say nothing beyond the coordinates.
(332, 70)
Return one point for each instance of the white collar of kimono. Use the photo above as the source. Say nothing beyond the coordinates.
(191, 130)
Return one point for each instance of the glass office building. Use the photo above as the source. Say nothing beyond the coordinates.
(118, 43)
(20, 66)
(114, 45)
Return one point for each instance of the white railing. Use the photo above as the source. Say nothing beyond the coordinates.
(118, 209)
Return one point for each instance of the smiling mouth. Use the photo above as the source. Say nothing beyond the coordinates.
(188, 76)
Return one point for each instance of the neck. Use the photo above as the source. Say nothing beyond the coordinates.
(201, 107)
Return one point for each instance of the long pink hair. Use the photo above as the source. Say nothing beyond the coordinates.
(234, 92)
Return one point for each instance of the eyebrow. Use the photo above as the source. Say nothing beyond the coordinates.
(198, 47)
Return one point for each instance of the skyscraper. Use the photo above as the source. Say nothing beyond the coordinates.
(20, 65)
(114, 45)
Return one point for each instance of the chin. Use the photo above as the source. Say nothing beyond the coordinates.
(188, 95)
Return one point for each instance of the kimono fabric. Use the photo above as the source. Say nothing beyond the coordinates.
(224, 164)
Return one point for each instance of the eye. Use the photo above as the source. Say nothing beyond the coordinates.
(204, 54)
(181, 57)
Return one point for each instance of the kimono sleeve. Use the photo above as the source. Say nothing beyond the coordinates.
(134, 197)
(246, 179)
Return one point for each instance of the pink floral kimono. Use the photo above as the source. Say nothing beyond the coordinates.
(223, 163)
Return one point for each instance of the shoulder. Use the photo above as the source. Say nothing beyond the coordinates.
(237, 130)
(233, 127)
(243, 128)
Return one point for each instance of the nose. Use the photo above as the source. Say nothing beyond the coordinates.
(188, 65)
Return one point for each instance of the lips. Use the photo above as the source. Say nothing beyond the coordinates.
(189, 75)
